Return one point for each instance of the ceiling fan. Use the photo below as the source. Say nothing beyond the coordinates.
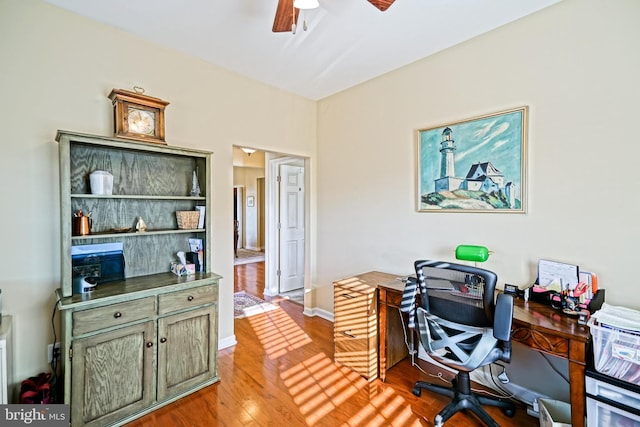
(287, 15)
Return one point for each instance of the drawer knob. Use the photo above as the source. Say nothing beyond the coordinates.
(149, 344)
(190, 298)
(117, 315)
(349, 334)
(163, 340)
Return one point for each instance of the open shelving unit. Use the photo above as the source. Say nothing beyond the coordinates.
(133, 345)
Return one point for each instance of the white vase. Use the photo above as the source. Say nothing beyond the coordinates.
(101, 183)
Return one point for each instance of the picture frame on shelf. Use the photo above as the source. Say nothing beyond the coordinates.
(474, 165)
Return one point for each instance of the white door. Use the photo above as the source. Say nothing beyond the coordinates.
(291, 225)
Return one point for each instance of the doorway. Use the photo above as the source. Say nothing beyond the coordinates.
(262, 224)
(286, 217)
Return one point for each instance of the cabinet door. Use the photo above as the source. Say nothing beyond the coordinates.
(187, 350)
(112, 375)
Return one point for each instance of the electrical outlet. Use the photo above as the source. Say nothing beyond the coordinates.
(51, 352)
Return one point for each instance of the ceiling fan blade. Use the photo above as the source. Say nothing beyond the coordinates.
(286, 15)
(382, 4)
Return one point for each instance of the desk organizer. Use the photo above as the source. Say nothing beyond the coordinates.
(545, 298)
(616, 342)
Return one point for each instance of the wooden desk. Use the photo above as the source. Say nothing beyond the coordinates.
(545, 329)
(535, 325)
(392, 338)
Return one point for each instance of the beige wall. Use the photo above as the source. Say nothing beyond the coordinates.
(576, 65)
(56, 70)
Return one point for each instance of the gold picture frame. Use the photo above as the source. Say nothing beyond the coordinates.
(474, 165)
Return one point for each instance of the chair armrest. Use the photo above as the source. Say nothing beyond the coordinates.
(503, 317)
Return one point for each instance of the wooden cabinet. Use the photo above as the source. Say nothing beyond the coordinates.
(6, 360)
(356, 326)
(368, 338)
(112, 375)
(121, 370)
(133, 345)
(186, 355)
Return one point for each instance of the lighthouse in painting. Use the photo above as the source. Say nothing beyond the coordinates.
(482, 176)
(447, 180)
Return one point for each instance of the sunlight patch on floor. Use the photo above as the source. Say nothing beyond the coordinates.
(386, 409)
(278, 333)
(319, 386)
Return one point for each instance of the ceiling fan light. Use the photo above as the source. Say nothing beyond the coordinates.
(306, 4)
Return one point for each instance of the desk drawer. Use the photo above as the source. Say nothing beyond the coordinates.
(113, 315)
(537, 340)
(188, 298)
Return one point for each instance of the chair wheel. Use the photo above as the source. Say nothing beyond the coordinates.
(509, 412)
(417, 391)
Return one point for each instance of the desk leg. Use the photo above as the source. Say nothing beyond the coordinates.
(577, 357)
(382, 334)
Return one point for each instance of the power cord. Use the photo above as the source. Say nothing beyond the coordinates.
(553, 367)
(55, 357)
(413, 352)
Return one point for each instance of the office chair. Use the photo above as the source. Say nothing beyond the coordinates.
(460, 326)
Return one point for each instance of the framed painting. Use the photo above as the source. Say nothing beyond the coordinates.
(474, 165)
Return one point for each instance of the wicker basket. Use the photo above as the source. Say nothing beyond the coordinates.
(187, 219)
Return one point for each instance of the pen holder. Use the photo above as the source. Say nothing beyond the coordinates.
(81, 226)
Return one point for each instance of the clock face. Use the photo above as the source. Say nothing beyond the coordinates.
(141, 121)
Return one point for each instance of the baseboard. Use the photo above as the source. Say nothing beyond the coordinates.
(227, 342)
(270, 293)
(326, 315)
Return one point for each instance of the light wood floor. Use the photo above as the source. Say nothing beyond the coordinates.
(281, 373)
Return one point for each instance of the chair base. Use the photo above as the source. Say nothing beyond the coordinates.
(464, 399)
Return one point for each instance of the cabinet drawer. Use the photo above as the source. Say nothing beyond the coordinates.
(187, 298)
(113, 315)
(346, 347)
(359, 354)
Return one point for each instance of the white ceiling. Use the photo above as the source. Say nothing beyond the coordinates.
(347, 43)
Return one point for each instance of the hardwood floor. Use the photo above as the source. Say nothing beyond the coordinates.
(281, 373)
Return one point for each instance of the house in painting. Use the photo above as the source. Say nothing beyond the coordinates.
(482, 176)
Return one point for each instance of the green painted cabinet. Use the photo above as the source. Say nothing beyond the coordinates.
(133, 345)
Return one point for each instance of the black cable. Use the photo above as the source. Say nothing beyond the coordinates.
(553, 367)
(54, 358)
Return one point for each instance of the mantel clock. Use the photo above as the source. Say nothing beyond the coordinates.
(137, 116)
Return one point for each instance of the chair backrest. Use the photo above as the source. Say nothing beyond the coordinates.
(457, 313)
(459, 293)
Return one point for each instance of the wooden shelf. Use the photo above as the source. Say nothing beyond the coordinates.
(137, 233)
(136, 196)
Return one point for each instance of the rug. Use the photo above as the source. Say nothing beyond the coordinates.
(246, 256)
(245, 305)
